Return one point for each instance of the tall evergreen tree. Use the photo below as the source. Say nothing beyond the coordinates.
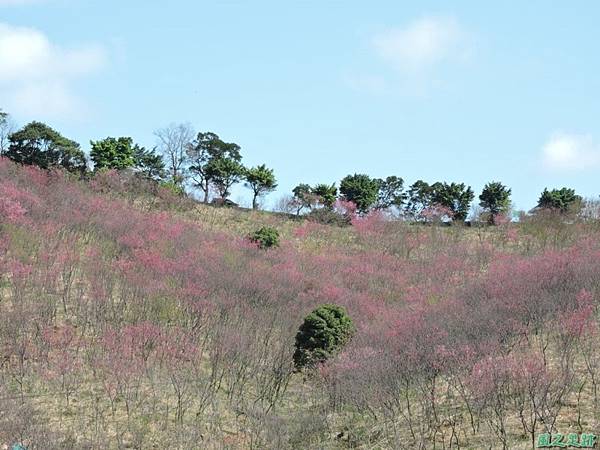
(361, 190)
(149, 164)
(418, 199)
(455, 196)
(391, 193)
(38, 144)
(495, 200)
(563, 200)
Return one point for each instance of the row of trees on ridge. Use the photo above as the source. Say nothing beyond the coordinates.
(205, 162)
(422, 201)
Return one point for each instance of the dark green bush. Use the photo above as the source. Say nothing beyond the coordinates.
(265, 237)
(325, 331)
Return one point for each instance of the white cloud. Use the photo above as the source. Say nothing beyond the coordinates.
(47, 99)
(36, 76)
(421, 44)
(570, 152)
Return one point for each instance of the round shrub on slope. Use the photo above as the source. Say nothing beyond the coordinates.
(325, 331)
(265, 237)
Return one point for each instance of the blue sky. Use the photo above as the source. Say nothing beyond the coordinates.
(441, 91)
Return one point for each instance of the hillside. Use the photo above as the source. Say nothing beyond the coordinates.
(136, 319)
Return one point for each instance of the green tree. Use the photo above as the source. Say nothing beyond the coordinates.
(361, 190)
(455, 196)
(324, 332)
(390, 193)
(223, 173)
(495, 200)
(418, 198)
(38, 144)
(261, 181)
(303, 197)
(113, 153)
(203, 153)
(149, 164)
(327, 194)
(563, 200)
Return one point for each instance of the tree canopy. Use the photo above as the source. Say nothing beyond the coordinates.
(361, 190)
(457, 197)
(223, 172)
(261, 181)
(495, 200)
(327, 194)
(391, 193)
(214, 163)
(149, 164)
(303, 197)
(38, 144)
(113, 153)
(563, 199)
(418, 199)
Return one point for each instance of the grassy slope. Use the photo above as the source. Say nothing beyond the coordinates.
(224, 428)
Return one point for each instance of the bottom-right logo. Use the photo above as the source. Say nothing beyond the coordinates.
(574, 440)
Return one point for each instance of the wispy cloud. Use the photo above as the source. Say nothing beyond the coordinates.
(36, 76)
(421, 44)
(415, 54)
(570, 152)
